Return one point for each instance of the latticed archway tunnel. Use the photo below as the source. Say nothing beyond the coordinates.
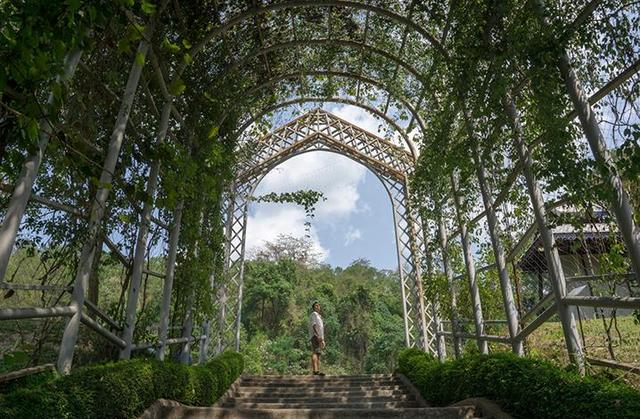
(133, 136)
(319, 130)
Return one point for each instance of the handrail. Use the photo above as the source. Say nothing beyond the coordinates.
(537, 322)
(101, 330)
(603, 301)
(490, 338)
(543, 302)
(25, 372)
(104, 316)
(612, 364)
(36, 312)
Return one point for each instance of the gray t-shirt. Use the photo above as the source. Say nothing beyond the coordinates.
(316, 319)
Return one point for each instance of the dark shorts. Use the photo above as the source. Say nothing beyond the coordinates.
(316, 348)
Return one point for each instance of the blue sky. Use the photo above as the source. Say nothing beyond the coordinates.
(354, 222)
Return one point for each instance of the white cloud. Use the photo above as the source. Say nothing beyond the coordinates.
(351, 236)
(271, 220)
(335, 176)
(358, 117)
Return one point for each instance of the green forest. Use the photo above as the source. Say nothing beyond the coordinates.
(361, 310)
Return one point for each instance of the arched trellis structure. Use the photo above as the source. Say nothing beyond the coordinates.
(376, 53)
(339, 100)
(319, 130)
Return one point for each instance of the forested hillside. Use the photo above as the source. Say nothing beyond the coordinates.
(361, 308)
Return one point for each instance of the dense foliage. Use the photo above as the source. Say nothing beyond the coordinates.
(221, 69)
(361, 309)
(123, 389)
(523, 387)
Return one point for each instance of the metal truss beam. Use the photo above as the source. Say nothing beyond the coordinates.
(347, 101)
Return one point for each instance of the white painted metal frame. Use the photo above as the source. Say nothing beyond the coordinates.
(319, 130)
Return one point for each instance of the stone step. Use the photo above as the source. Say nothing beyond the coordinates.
(316, 377)
(169, 410)
(319, 405)
(293, 392)
(324, 384)
(305, 378)
(319, 382)
(321, 390)
(323, 399)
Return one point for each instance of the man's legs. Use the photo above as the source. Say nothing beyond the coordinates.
(315, 362)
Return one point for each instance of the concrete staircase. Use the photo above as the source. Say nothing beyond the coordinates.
(361, 396)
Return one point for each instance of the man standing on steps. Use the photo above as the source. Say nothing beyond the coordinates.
(316, 333)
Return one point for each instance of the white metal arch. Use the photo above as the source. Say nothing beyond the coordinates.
(318, 130)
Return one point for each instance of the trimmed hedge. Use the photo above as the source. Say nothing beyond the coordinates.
(123, 389)
(523, 387)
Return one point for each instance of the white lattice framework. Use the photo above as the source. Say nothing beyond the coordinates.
(320, 130)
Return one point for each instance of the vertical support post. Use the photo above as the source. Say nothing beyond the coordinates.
(619, 200)
(442, 233)
(184, 354)
(222, 293)
(22, 189)
(441, 347)
(141, 241)
(558, 282)
(206, 328)
(70, 335)
(412, 222)
(187, 331)
(403, 279)
(494, 232)
(241, 274)
(222, 298)
(204, 342)
(174, 237)
(474, 290)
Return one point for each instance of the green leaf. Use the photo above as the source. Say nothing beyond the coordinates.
(32, 129)
(73, 4)
(213, 132)
(148, 7)
(186, 44)
(177, 87)
(124, 218)
(140, 59)
(124, 45)
(170, 46)
(187, 58)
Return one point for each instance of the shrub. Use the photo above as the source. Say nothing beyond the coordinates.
(123, 389)
(29, 381)
(524, 387)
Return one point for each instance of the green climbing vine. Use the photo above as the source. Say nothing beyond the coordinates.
(226, 65)
(308, 199)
